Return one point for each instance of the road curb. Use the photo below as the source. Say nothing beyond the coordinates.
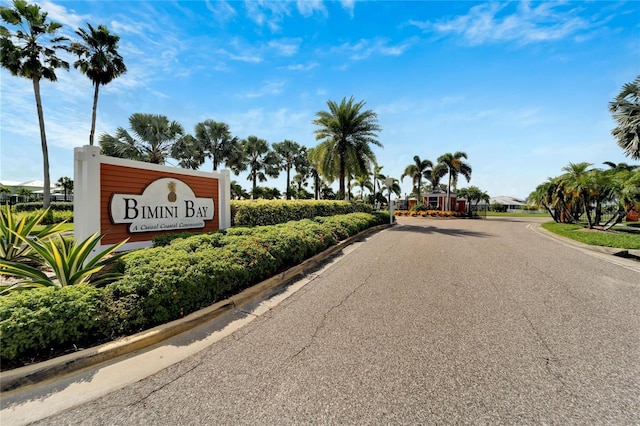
(56, 368)
(613, 251)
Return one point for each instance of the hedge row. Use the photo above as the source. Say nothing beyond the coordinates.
(269, 212)
(55, 206)
(162, 284)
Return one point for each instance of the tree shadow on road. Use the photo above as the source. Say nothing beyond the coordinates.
(434, 230)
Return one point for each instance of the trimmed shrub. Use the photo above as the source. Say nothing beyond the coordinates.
(40, 320)
(272, 212)
(54, 206)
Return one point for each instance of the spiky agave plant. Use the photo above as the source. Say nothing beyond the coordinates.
(14, 232)
(71, 263)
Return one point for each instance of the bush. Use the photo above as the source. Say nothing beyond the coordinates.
(268, 212)
(37, 321)
(54, 206)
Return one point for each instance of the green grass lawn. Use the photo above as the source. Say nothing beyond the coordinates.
(619, 238)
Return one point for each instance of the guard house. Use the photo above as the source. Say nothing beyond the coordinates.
(436, 200)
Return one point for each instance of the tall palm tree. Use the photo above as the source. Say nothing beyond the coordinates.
(290, 155)
(417, 170)
(152, 141)
(260, 160)
(31, 52)
(454, 165)
(98, 59)
(625, 109)
(346, 133)
(217, 143)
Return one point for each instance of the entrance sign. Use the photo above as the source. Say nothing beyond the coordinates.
(137, 200)
(166, 204)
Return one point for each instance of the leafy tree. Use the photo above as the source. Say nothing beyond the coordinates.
(314, 166)
(67, 184)
(625, 109)
(260, 160)
(346, 133)
(31, 52)
(473, 195)
(152, 141)
(417, 170)
(98, 59)
(290, 155)
(454, 165)
(363, 183)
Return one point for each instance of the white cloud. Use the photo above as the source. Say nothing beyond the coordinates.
(221, 10)
(364, 49)
(271, 88)
(498, 22)
(302, 67)
(309, 7)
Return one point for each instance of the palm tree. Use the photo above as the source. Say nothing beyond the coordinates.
(363, 183)
(290, 155)
(473, 195)
(67, 184)
(314, 172)
(579, 184)
(416, 171)
(30, 52)
(346, 133)
(98, 59)
(217, 143)
(454, 165)
(152, 141)
(626, 112)
(260, 160)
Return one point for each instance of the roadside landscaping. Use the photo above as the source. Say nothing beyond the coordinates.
(624, 237)
(166, 282)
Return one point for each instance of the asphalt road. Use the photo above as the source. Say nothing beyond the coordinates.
(429, 322)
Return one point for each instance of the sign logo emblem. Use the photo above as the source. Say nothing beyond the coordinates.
(166, 204)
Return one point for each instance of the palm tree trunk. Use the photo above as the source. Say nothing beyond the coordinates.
(93, 114)
(448, 200)
(341, 192)
(288, 174)
(585, 200)
(46, 196)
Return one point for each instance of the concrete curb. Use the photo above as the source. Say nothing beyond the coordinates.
(613, 251)
(53, 369)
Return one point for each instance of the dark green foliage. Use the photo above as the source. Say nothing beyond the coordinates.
(161, 284)
(165, 240)
(36, 321)
(265, 212)
(55, 206)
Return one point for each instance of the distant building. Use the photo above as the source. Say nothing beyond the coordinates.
(34, 192)
(511, 204)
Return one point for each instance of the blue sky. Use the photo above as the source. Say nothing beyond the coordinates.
(521, 87)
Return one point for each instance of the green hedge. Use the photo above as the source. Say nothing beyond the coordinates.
(55, 206)
(272, 212)
(164, 283)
